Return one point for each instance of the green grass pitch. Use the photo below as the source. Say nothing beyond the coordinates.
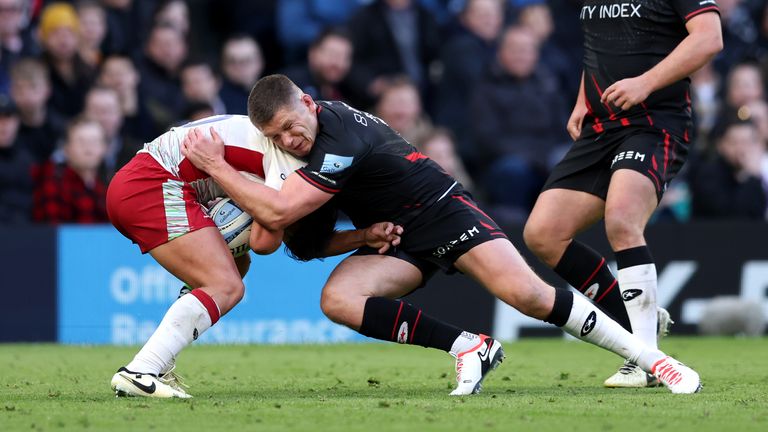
(544, 385)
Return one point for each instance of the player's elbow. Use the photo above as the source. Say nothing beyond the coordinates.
(716, 44)
(712, 43)
(278, 220)
(263, 241)
(266, 245)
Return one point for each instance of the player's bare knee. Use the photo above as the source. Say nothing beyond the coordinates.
(333, 304)
(544, 241)
(622, 232)
(233, 289)
(524, 299)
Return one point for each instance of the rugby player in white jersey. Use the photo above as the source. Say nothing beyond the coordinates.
(157, 201)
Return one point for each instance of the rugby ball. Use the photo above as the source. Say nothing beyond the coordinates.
(234, 225)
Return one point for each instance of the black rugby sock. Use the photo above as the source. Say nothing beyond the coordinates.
(398, 321)
(587, 271)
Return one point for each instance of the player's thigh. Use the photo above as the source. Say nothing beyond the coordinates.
(200, 258)
(560, 214)
(643, 166)
(373, 276)
(632, 199)
(499, 267)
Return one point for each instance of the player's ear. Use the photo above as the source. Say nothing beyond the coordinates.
(307, 101)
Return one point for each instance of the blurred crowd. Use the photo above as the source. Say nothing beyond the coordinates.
(483, 87)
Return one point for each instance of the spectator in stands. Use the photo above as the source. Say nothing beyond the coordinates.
(164, 54)
(568, 37)
(196, 111)
(740, 33)
(522, 116)
(536, 16)
(328, 62)
(744, 85)
(392, 37)
(438, 144)
(300, 22)
(732, 184)
(70, 75)
(705, 95)
(199, 83)
(102, 104)
(124, 30)
(72, 192)
(762, 39)
(16, 41)
(173, 13)
(758, 114)
(481, 24)
(40, 128)
(93, 30)
(15, 169)
(119, 73)
(401, 108)
(242, 65)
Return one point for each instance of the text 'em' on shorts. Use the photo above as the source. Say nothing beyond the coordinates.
(591, 161)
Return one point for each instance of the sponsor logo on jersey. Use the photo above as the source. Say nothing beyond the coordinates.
(334, 163)
(591, 292)
(331, 181)
(616, 10)
(630, 294)
(589, 324)
(444, 249)
(631, 155)
(704, 2)
(402, 334)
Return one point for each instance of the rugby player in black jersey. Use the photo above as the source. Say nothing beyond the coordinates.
(372, 173)
(632, 127)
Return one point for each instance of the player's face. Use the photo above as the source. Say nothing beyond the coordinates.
(293, 128)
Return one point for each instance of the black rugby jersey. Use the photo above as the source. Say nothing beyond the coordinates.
(375, 173)
(626, 38)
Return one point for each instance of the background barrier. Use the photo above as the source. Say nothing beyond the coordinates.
(88, 284)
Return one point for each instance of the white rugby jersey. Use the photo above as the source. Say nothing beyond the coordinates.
(246, 149)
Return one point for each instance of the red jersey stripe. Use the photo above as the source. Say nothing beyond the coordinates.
(702, 10)
(316, 184)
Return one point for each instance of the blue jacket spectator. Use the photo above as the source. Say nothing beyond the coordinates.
(328, 62)
(299, 22)
(520, 116)
(481, 24)
(242, 65)
(392, 37)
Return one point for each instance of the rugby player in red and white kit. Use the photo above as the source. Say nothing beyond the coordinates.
(157, 201)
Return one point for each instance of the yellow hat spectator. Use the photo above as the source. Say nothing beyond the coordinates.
(58, 15)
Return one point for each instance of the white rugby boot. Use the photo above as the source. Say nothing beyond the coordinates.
(473, 365)
(679, 378)
(170, 377)
(127, 383)
(629, 374)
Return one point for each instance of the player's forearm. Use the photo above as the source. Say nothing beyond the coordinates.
(345, 241)
(259, 201)
(696, 50)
